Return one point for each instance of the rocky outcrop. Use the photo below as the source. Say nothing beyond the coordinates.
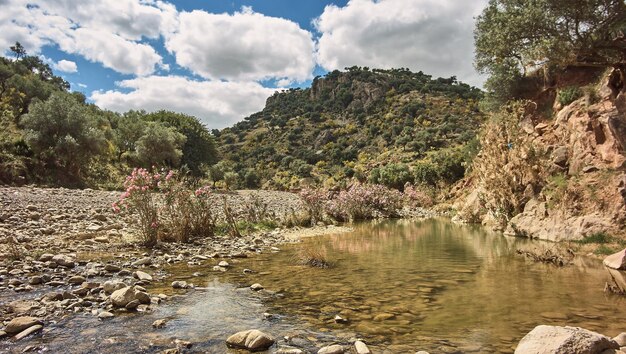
(564, 340)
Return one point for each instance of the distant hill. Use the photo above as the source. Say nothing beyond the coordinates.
(357, 123)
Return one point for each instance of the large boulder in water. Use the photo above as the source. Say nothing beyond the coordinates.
(564, 340)
(121, 297)
(616, 260)
(252, 340)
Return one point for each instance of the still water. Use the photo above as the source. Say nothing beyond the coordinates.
(401, 286)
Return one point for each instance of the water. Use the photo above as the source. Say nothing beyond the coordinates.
(402, 285)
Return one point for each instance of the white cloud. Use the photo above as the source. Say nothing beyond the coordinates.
(66, 66)
(102, 31)
(216, 103)
(434, 36)
(242, 46)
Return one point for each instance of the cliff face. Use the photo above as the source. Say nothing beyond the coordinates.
(557, 179)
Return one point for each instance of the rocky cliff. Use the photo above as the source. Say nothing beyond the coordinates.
(560, 177)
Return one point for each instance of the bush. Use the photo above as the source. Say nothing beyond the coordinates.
(393, 176)
(569, 95)
(314, 200)
(139, 199)
(418, 196)
(364, 201)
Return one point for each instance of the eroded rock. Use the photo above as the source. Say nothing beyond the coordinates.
(253, 340)
(564, 340)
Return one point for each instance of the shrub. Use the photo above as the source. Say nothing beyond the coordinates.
(569, 95)
(599, 238)
(364, 201)
(139, 199)
(314, 200)
(418, 196)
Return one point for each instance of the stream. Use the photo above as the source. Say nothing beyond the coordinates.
(399, 285)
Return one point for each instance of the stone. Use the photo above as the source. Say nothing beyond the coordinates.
(46, 257)
(361, 348)
(223, 264)
(289, 350)
(19, 324)
(384, 317)
(159, 324)
(76, 280)
(121, 297)
(63, 261)
(179, 284)
(256, 287)
(253, 340)
(20, 307)
(105, 315)
(560, 156)
(2, 334)
(422, 352)
(142, 276)
(616, 260)
(142, 297)
(112, 268)
(132, 305)
(142, 262)
(112, 285)
(30, 330)
(331, 349)
(339, 319)
(562, 340)
(35, 280)
(621, 339)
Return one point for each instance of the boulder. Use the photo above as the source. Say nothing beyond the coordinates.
(105, 315)
(361, 348)
(19, 324)
(560, 156)
(142, 275)
(76, 280)
(331, 349)
(256, 287)
(252, 340)
(142, 297)
(563, 340)
(616, 260)
(63, 261)
(121, 297)
(621, 339)
(179, 284)
(112, 285)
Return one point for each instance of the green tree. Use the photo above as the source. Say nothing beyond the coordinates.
(127, 130)
(63, 133)
(18, 50)
(513, 36)
(199, 148)
(159, 146)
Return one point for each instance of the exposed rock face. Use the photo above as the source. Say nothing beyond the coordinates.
(253, 340)
(564, 340)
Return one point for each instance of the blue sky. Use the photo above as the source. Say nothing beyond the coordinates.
(220, 60)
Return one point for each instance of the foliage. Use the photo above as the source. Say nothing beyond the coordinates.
(392, 175)
(364, 201)
(418, 196)
(569, 95)
(63, 133)
(314, 200)
(598, 237)
(159, 146)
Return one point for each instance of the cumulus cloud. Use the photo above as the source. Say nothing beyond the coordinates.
(242, 46)
(102, 31)
(66, 66)
(216, 103)
(434, 36)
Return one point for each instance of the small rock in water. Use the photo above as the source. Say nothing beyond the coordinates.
(30, 330)
(143, 261)
(179, 284)
(331, 349)
(112, 268)
(616, 260)
(223, 264)
(112, 285)
(289, 350)
(132, 305)
(105, 314)
(253, 340)
(142, 275)
(256, 287)
(122, 297)
(621, 339)
(142, 297)
(76, 280)
(3, 334)
(361, 348)
(159, 324)
(19, 324)
(555, 339)
(339, 319)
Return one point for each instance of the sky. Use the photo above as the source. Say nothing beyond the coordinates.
(219, 60)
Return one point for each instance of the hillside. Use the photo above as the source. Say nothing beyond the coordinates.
(348, 124)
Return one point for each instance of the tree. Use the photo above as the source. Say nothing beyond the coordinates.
(127, 130)
(159, 146)
(63, 133)
(514, 36)
(199, 148)
(18, 50)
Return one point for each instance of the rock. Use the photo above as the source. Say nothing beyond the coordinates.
(384, 317)
(253, 340)
(76, 280)
(289, 350)
(63, 261)
(19, 307)
(3, 334)
(35, 280)
(223, 264)
(30, 330)
(562, 340)
(112, 268)
(142, 276)
(105, 315)
(616, 260)
(331, 349)
(19, 324)
(46, 257)
(560, 156)
(361, 348)
(121, 297)
(179, 284)
(142, 297)
(143, 261)
(256, 287)
(112, 285)
(422, 352)
(132, 305)
(621, 339)
(159, 324)
(339, 319)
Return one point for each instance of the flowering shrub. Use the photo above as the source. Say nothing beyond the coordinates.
(314, 201)
(166, 207)
(418, 196)
(138, 199)
(364, 201)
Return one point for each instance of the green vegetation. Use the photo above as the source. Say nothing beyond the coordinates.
(569, 95)
(598, 238)
(49, 135)
(376, 125)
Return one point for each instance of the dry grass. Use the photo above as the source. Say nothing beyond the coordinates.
(313, 256)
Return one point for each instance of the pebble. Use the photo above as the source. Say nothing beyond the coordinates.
(256, 287)
(105, 315)
(331, 349)
(361, 348)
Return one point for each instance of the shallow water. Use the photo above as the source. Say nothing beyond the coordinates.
(402, 286)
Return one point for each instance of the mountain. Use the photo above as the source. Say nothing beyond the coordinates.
(358, 123)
